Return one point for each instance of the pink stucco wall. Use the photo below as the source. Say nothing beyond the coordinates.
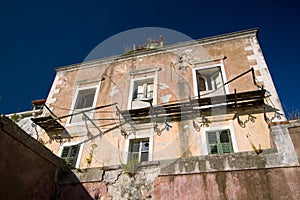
(277, 183)
(27, 168)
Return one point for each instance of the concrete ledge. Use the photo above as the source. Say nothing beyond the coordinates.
(79, 175)
(220, 162)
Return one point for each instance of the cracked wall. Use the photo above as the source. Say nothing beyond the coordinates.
(114, 77)
(31, 169)
(150, 182)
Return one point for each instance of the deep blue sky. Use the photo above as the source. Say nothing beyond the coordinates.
(37, 37)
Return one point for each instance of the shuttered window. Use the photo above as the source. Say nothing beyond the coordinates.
(70, 154)
(219, 142)
(143, 89)
(142, 93)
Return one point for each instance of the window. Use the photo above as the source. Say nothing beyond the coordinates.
(208, 80)
(85, 99)
(139, 150)
(70, 154)
(142, 93)
(143, 90)
(219, 142)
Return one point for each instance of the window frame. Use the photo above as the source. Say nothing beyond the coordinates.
(81, 99)
(144, 84)
(141, 135)
(72, 110)
(229, 127)
(218, 144)
(79, 154)
(140, 150)
(221, 72)
(141, 79)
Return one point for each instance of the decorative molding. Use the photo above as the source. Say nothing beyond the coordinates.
(143, 71)
(208, 40)
(88, 81)
(212, 59)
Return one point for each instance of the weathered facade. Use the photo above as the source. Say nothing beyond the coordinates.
(210, 96)
(195, 120)
(30, 171)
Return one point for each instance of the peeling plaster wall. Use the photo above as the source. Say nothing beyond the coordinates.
(36, 173)
(238, 176)
(274, 174)
(279, 183)
(236, 53)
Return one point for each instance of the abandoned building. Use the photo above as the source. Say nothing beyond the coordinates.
(196, 109)
(210, 96)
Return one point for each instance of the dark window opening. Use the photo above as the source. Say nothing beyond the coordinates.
(70, 154)
(209, 79)
(85, 98)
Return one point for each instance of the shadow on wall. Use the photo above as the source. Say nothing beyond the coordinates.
(28, 168)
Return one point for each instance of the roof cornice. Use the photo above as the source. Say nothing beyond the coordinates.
(207, 40)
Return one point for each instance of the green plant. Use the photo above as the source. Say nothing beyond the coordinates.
(131, 166)
(91, 154)
(15, 117)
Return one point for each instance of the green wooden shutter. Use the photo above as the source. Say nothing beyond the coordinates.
(225, 141)
(65, 152)
(219, 142)
(70, 154)
(212, 140)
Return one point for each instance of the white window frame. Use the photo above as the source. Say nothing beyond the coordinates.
(131, 90)
(218, 128)
(72, 144)
(223, 76)
(139, 152)
(137, 137)
(144, 85)
(79, 88)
